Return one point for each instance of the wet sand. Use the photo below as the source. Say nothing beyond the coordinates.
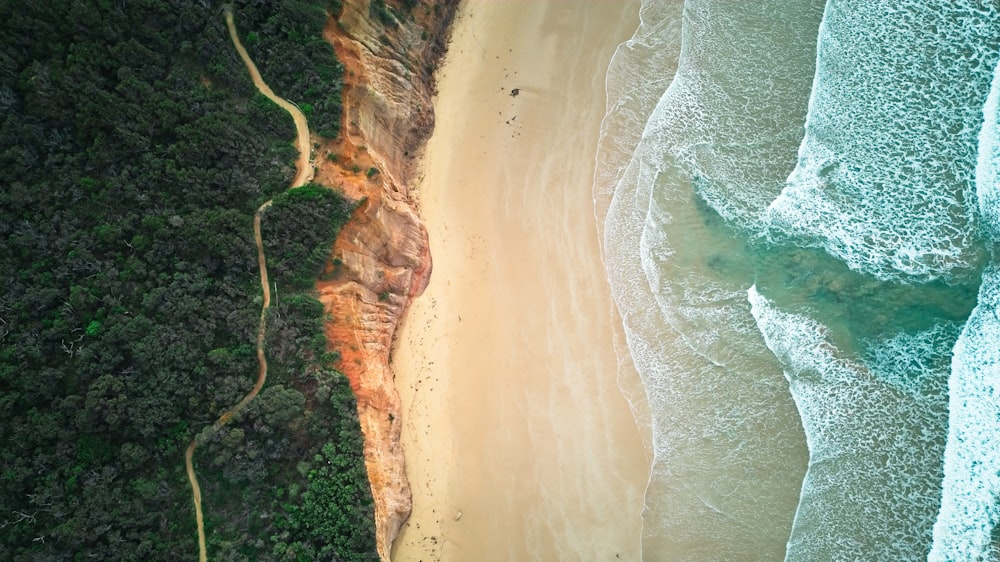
(519, 444)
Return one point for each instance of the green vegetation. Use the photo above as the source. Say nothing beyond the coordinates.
(135, 152)
(379, 10)
(332, 477)
(293, 57)
(298, 230)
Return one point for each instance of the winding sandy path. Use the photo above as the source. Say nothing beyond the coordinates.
(301, 126)
(304, 175)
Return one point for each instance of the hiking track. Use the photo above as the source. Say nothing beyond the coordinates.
(304, 175)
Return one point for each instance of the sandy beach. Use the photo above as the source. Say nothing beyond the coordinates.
(519, 444)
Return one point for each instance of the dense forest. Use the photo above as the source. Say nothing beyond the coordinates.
(289, 50)
(134, 152)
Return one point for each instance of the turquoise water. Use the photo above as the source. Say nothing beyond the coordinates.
(800, 204)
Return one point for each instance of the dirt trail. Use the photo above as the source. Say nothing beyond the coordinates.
(304, 175)
(301, 126)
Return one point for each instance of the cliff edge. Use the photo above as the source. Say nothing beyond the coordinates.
(381, 258)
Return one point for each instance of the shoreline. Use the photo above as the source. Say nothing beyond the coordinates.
(519, 443)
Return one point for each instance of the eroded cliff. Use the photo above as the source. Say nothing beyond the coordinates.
(381, 258)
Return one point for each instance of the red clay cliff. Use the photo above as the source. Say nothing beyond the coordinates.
(381, 258)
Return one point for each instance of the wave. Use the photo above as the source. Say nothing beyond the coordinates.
(884, 185)
(639, 72)
(716, 150)
(728, 447)
(750, 256)
(967, 523)
(873, 485)
(738, 101)
(885, 174)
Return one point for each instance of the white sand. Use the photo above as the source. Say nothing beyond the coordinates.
(513, 418)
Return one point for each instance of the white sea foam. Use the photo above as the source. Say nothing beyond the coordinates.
(872, 488)
(971, 491)
(639, 72)
(969, 506)
(914, 363)
(739, 100)
(728, 448)
(885, 173)
(882, 182)
(988, 161)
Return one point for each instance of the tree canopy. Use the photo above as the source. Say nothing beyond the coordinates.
(135, 151)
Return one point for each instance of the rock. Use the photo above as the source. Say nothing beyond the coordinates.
(382, 252)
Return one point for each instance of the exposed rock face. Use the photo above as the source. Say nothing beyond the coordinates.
(381, 257)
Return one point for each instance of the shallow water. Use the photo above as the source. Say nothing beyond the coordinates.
(795, 230)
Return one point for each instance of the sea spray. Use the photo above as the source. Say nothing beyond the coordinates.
(885, 173)
(969, 511)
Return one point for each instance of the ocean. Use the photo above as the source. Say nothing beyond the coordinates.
(799, 202)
